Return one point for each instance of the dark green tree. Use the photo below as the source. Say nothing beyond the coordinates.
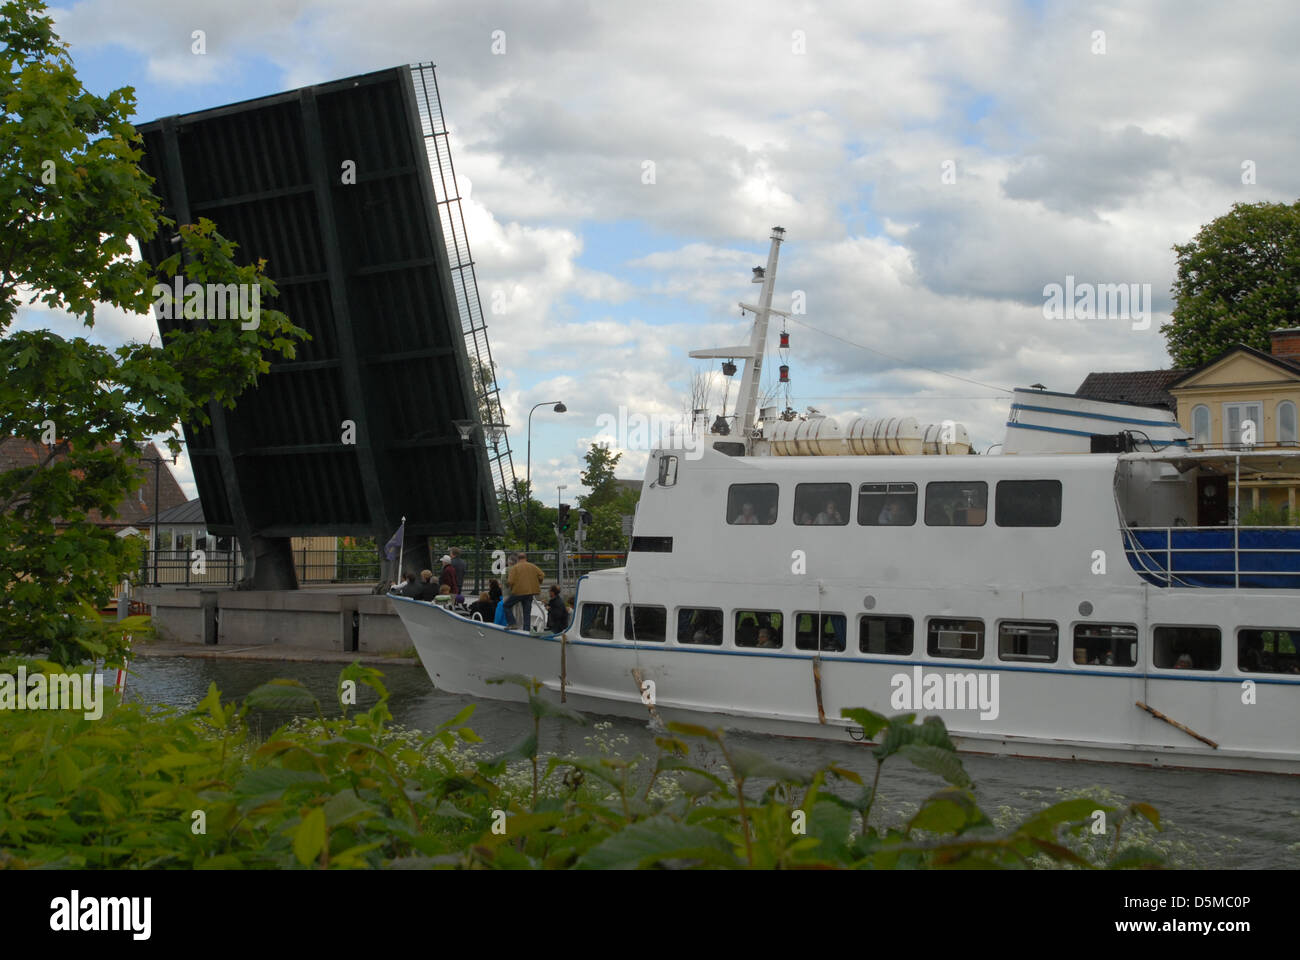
(1238, 279)
(71, 195)
(599, 477)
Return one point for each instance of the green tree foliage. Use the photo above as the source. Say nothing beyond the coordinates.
(71, 196)
(150, 788)
(1237, 279)
(599, 477)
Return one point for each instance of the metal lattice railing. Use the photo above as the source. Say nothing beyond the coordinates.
(464, 280)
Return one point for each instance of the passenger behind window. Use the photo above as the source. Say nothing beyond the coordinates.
(830, 515)
(765, 639)
(894, 512)
(746, 515)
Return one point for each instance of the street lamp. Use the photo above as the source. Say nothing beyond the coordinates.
(466, 430)
(528, 475)
(558, 491)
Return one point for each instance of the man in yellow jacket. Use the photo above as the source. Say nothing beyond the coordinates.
(524, 581)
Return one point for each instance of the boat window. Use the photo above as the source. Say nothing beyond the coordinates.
(822, 504)
(830, 627)
(1105, 645)
(752, 503)
(956, 504)
(667, 471)
(699, 625)
(891, 636)
(1027, 641)
(759, 628)
(887, 504)
(1028, 503)
(730, 448)
(1269, 651)
(652, 544)
(598, 621)
(645, 624)
(1187, 648)
(956, 638)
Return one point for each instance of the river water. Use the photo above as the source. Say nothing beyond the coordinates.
(1210, 820)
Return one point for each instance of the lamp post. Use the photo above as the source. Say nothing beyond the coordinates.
(558, 491)
(496, 431)
(528, 474)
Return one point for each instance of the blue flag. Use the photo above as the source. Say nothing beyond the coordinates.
(392, 547)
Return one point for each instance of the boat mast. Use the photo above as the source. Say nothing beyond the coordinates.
(748, 399)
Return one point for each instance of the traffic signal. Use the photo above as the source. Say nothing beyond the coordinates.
(564, 516)
(584, 518)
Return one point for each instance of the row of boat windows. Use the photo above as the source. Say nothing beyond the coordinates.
(1035, 641)
(948, 503)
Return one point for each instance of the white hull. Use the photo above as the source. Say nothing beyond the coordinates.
(775, 693)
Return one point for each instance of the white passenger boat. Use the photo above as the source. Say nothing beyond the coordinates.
(1071, 605)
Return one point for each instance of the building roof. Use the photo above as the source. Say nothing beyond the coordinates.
(1148, 388)
(188, 512)
(19, 452)
(1286, 366)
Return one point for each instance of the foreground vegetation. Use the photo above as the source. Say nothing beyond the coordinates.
(151, 788)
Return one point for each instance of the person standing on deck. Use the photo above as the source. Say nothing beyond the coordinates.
(462, 568)
(524, 581)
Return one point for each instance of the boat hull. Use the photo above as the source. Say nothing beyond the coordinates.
(777, 693)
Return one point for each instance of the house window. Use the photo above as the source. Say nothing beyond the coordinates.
(959, 504)
(751, 503)
(1235, 416)
(1028, 503)
(1286, 425)
(645, 624)
(956, 638)
(701, 625)
(1187, 648)
(1201, 423)
(887, 504)
(1027, 641)
(821, 504)
(598, 621)
(758, 628)
(891, 636)
(830, 627)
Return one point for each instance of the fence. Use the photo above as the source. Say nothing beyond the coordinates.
(344, 565)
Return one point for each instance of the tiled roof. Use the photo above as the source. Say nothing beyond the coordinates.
(17, 452)
(1143, 387)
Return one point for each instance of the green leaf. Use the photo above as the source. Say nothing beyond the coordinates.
(282, 695)
(309, 837)
(274, 780)
(870, 721)
(747, 764)
(938, 760)
(652, 841)
(544, 708)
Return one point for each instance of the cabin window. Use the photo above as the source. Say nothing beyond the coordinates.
(1034, 641)
(830, 627)
(1187, 648)
(667, 471)
(887, 504)
(956, 638)
(730, 448)
(751, 503)
(699, 625)
(1201, 423)
(598, 621)
(652, 544)
(645, 624)
(759, 628)
(1235, 416)
(891, 636)
(822, 504)
(956, 504)
(1269, 651)
(1105, 645)
(1028, 503)
(1286, 423)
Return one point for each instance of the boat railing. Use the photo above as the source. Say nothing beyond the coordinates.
(1231, 557)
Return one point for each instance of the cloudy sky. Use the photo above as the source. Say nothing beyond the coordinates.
(935, 166)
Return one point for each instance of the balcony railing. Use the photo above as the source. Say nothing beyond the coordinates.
(1232, 557)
